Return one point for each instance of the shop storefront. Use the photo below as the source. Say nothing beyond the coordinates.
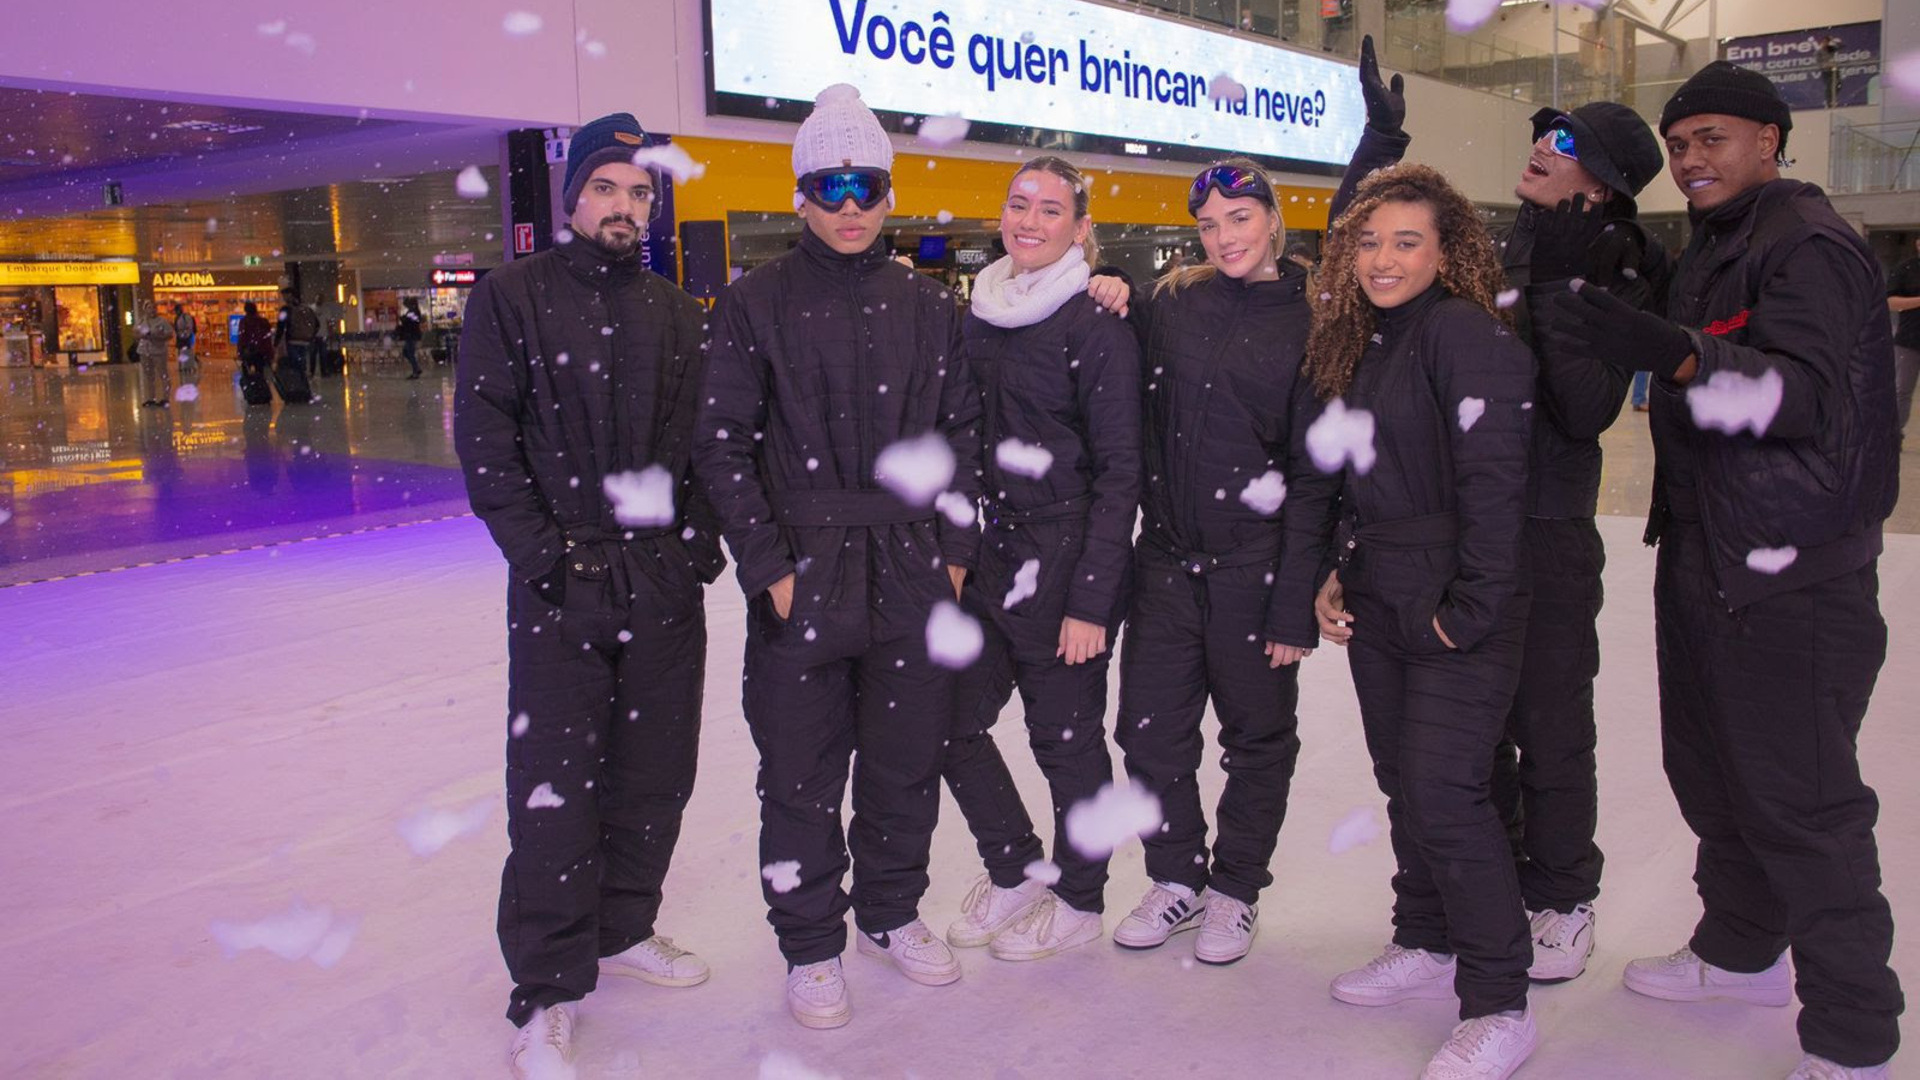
(65, 312)
(216, 299)
(947, 215)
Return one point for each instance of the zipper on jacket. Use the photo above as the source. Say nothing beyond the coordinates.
(861, 375)
(1206, 400)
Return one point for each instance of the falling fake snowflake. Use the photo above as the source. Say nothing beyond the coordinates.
(1026, 582)
(783, 876)
(954, 638)
(1115, 814)
(1341, 435)
(1264, 493)
(643, 499)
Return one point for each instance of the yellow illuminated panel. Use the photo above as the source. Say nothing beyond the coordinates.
(758, 177)
(69, 273)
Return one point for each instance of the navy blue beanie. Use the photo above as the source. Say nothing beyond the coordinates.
(611, 138)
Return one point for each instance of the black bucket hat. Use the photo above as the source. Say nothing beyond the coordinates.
(1612, 141)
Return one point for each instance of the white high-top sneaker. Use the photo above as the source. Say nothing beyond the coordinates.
(915, 951)
(1050, 926)
(543, 1047)
(989, 909)
(1166, 910)
(1682, 976)
(1815, 1067)
(1226, 930)
(659, 961)
(1485, 1048)
(1561, 944)
(1394, 976)
(817, 995)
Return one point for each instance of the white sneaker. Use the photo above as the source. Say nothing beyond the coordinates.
(1166, 910)
(659, 961)
(989, 909)
(916, 952)
(1048, 927)
(1485, 1048)
(543, 1047)
(817, 995)
(1682, 976)
(1226, 929)
(1394, 976)
(1561, 944)
(1815, 1067)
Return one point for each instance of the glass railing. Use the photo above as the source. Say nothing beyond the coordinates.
(1872, 158)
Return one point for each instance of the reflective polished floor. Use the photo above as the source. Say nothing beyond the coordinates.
(90, 480)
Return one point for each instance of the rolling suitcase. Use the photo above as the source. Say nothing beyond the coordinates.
(253, 385)
(290, 378)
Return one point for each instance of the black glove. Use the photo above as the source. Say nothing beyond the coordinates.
(1386, 105)
(553, 587)
(1562, 238)
(1590, 321)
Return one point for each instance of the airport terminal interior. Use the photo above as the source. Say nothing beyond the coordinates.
(244, 644)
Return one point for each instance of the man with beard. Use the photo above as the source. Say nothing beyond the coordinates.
(577, 382)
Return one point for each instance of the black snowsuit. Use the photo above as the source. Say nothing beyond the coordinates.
(1545, 782)
(579, 365)
(1766, 672)
(1222, 360)
(818, 362)
(1433, 531)
(1070, 384)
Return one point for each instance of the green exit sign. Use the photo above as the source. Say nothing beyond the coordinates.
(251, 260)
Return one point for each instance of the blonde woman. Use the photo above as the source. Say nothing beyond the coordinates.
(1056, 375)
(1229, 508)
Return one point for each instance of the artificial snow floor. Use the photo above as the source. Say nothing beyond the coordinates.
(224, 738)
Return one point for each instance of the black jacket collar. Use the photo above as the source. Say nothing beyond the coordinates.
(819, 253)
(593, 263)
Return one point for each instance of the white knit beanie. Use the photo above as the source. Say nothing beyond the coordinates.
(841, 132)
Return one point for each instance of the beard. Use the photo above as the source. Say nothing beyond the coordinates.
(619, 243)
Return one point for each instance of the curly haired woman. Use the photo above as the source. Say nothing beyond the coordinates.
(1430, 598)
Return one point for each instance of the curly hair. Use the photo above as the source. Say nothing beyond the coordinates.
(1179, 279)
(1343, 319)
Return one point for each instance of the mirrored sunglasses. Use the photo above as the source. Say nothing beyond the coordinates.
(1560, 141)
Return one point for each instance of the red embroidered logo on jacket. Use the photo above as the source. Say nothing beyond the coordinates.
(1723, 327)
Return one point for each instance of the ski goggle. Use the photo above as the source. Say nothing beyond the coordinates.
(1560, 141)
(1233, 181)
(829, 189)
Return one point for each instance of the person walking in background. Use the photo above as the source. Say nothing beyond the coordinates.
(1222, 604)
(154, 340)
(1903, 298)
(1431, 597)
(297, 330)
(186, 330)
(820, 361)
(573, 418)
(1059, 376)
(1776, 462)
(1577, 219)
(407, 331)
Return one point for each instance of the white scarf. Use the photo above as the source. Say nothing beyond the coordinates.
(1009, 300)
